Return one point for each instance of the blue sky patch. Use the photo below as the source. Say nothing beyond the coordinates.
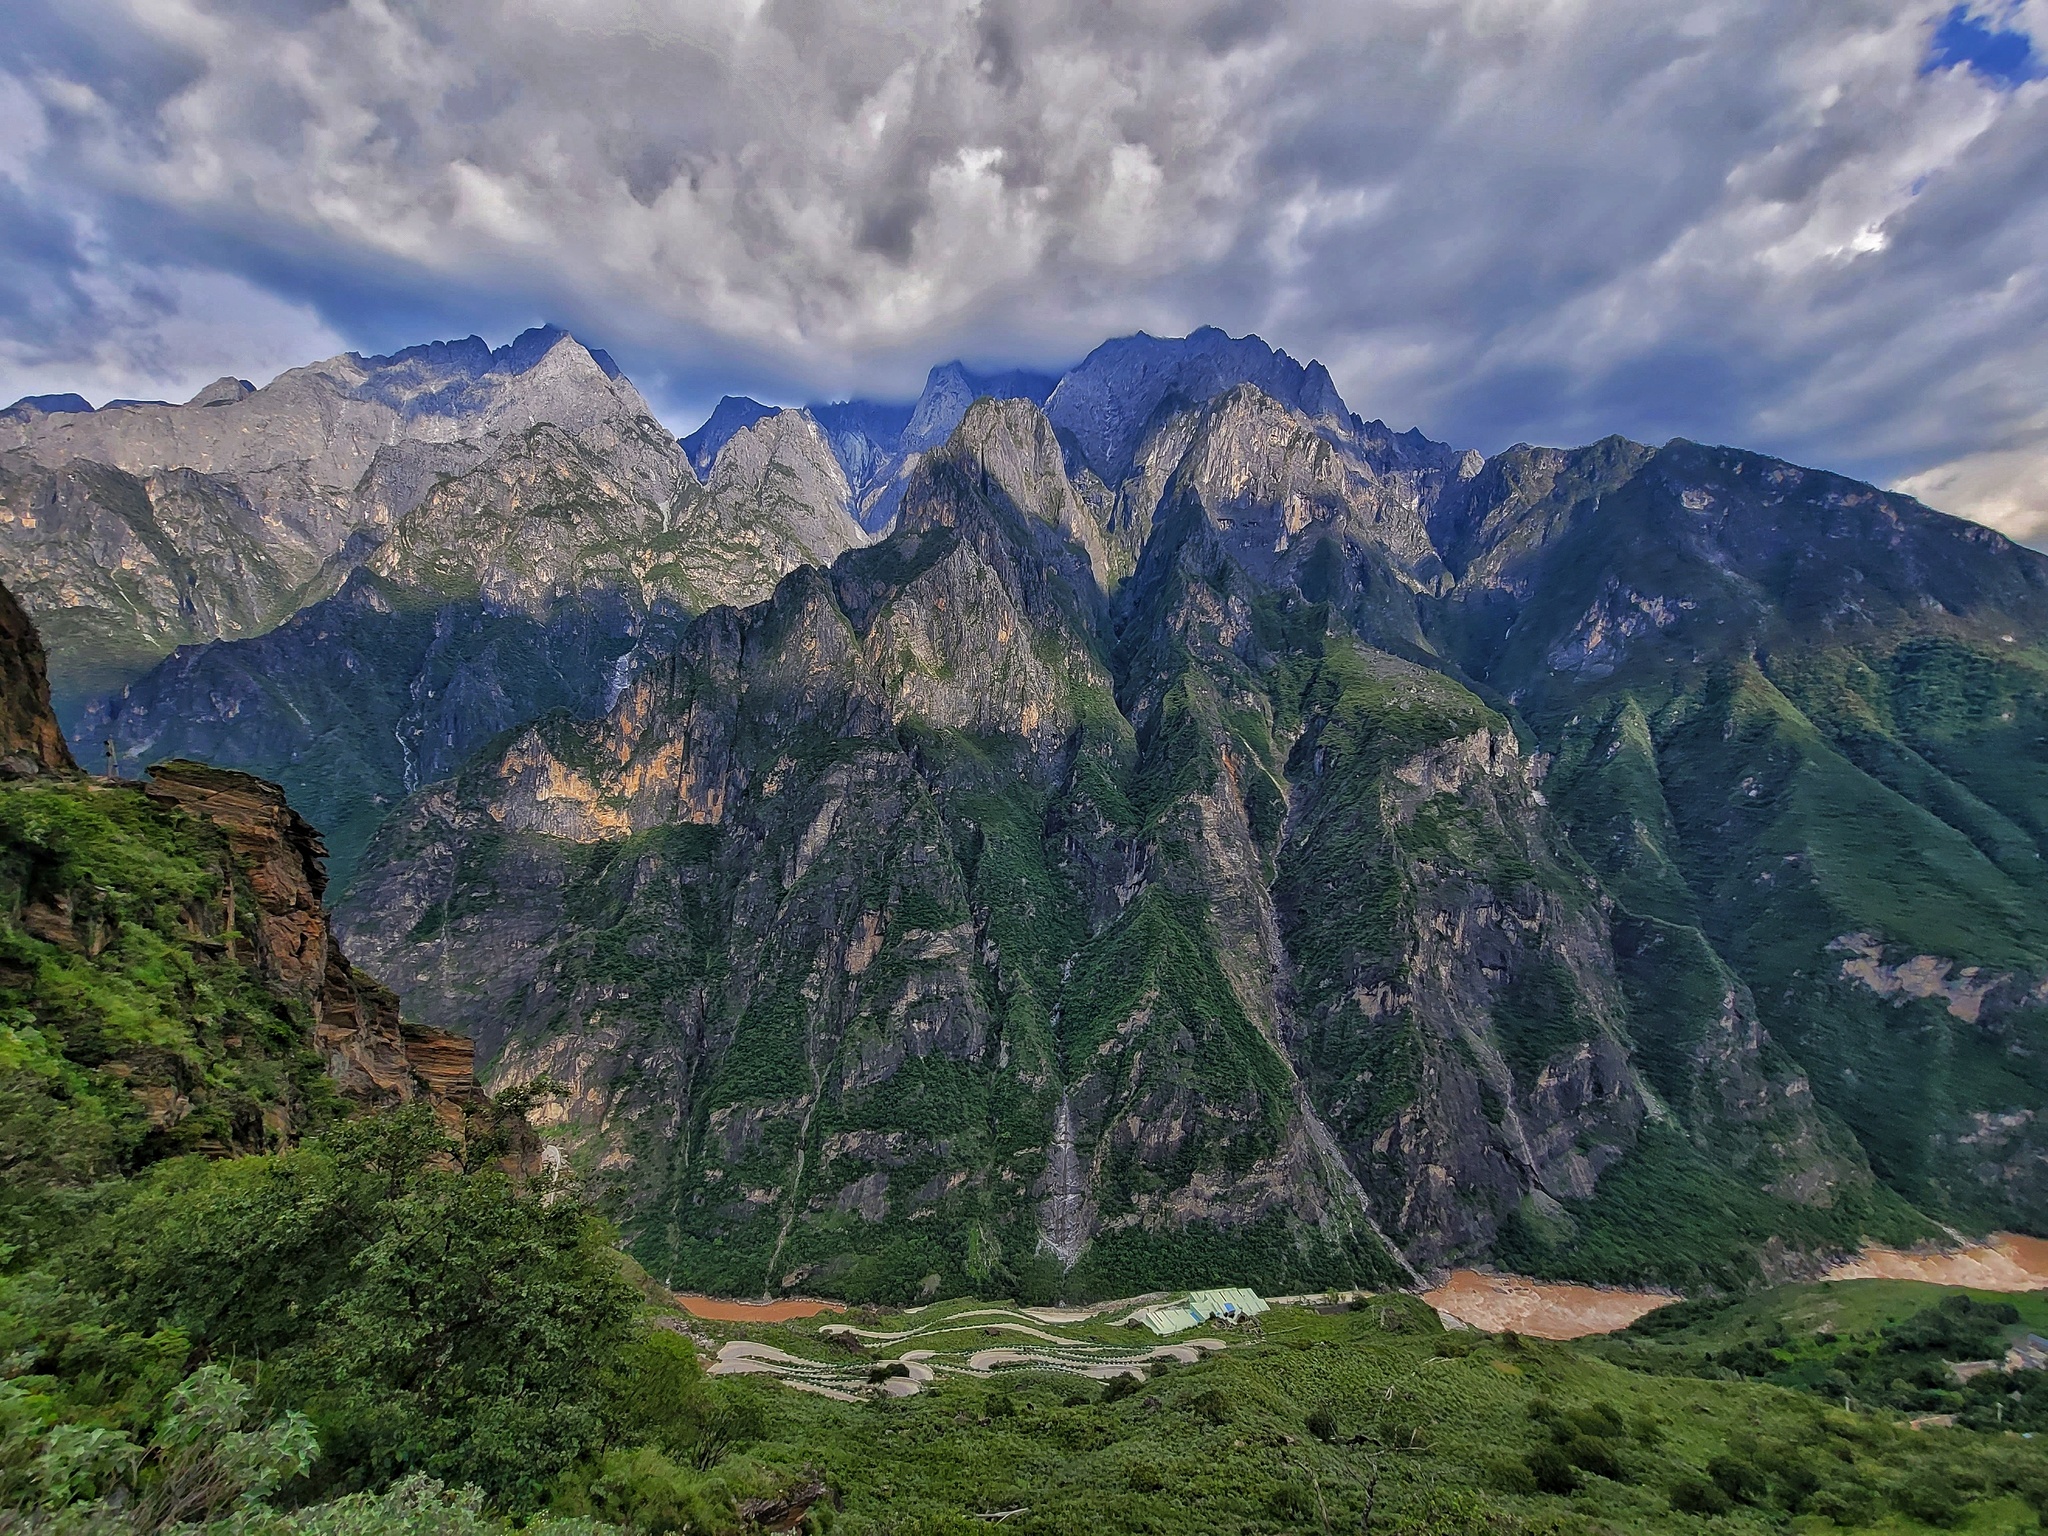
(2004, 56)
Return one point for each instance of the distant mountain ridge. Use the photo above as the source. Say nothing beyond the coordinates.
(1085, 834)
(135, 528)
(876, 442)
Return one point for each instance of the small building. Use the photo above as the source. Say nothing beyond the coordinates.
(2030, 1354)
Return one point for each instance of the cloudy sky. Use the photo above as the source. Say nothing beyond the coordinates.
(1815, 227)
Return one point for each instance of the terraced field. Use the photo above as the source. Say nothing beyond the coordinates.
(840, 1359)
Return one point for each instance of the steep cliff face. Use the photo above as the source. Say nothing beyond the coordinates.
(374, 1058)
(1121, 388)
(877, 444)
(527, 568)
(355, 701)
(843, 925)
(776, 499)
(30, 742)
(1208, 834)
(1754, 676)
(169, 981)
(122, 567)
(1389, 894)
(542, 521)
(528, 582)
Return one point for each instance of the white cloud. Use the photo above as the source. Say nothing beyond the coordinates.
(2007, 488)
(140, 332)
(1730, 219)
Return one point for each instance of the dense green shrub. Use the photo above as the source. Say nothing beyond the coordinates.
(1513, 1477)
(1591, 1454)
(1292, 1503)
(1929, 1495)
(1738, 1476)
(420, 1318)
(1698, 1496)
(1958, 1327)
(1551, 1470)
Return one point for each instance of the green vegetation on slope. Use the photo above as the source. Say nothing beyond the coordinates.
(333, 1319)
(1669, 1216)
(1723, 816)
(133, 1023)
(330, 1339)
(1325, 1415)
(1880, 1344)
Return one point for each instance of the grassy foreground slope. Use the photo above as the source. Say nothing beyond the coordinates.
(332, 1339)
(1880, 1344)
(1327, 1415)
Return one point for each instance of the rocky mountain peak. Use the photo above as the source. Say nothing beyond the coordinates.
(1009, 444)
(1272, 483)
(1112, 397)
(29, 406)
(779, 481)
(223, 391)
(1152, 797)
(950, 389)
(326, 421)
(784, 444)
(1006, 451)
(437, 377)
(733, 413)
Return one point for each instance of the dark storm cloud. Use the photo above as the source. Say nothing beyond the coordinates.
(1815, 227)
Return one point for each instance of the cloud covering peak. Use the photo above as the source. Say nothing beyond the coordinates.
(1816, 230)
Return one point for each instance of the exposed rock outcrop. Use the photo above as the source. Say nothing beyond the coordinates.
(30, 741)
(374, 1056)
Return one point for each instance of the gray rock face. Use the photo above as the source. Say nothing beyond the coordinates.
(121, 567)
(879, 445)
(777, 499)
(950, 389)
(220, 517)
(866, 438)
(47, 405)
(504, 586)
(224, 391)
(1272, 480)
(1226, 919)
(733, 413)
(320, 426)
(542, 520)
(880, 769)
(1111, 399)
(357, 700)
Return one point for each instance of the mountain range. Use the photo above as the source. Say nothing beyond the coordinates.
(1084, 834)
